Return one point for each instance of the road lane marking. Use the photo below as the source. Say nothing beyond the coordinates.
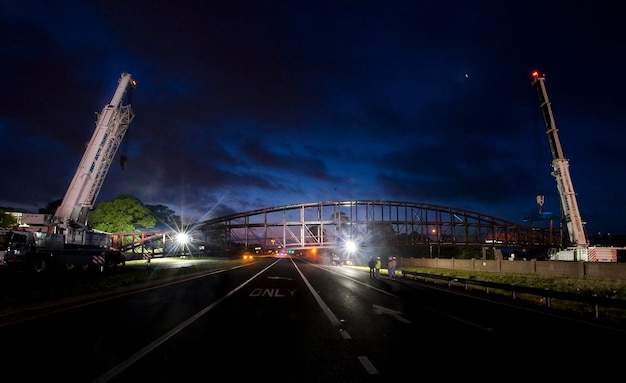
(369, 367)
(344, 334)
(329, 314)
(355, 280)
(393, 313)
(144, 351)
(487, 329)
(274, 293)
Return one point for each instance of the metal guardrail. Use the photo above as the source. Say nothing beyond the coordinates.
(595, 300)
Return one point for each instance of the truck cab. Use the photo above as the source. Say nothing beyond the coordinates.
(15, 246)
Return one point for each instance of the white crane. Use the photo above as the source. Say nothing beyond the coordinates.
(577, 245)
(111, 126)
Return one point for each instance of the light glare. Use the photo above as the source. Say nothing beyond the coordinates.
(351, 246)
(182, 238)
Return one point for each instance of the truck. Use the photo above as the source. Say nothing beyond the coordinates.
(575, 244)
(41, 252)
(65, 239)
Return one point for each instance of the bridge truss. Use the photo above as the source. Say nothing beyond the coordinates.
(367, 222)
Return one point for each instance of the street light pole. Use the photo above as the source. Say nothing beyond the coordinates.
(433, 231)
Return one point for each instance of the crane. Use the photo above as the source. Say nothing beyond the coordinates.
(111, 126)
(68, 241)
(576, 245)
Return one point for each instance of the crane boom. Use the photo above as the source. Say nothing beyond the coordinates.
(111, 126)
(560, 165)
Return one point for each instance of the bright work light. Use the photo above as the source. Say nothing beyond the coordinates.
(350, 246)
(182, 238)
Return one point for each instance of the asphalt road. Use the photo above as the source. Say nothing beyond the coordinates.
(286, 320)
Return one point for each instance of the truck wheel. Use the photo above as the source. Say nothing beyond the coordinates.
(113, 260)
(109, 264)
(39, 265)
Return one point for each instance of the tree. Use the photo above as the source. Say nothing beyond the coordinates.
(51, 208)
(7, 220)
(122, 215)
(217, 234)
(342, 222)
(316, 232)
(340, 217)
(381, 233)
(164, 215)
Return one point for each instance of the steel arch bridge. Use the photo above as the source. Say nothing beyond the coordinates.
(367, 222)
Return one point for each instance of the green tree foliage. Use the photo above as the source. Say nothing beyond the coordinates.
(7, 220)
(122, 215)
(164, 215)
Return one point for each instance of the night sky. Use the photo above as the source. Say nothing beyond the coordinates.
(243, 105)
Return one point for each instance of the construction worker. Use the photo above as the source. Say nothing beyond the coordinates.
(372, 264)
(391, 266)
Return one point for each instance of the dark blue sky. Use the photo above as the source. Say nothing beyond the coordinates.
(242, 105)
